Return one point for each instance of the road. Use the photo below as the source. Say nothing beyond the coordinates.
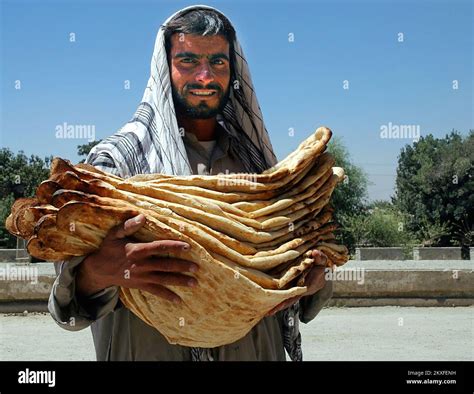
(373, 333)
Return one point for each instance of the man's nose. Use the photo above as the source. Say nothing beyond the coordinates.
(204, 74)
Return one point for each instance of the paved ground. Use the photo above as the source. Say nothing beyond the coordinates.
(391, 334)
(375, 333)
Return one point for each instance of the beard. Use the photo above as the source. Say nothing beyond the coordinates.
(202, 110)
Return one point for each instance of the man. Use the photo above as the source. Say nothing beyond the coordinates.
(198, 115)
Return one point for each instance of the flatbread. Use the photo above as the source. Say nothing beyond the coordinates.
(251, 234)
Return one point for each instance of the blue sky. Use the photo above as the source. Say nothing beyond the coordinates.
(300, 84)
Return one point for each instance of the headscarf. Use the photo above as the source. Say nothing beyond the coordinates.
(151, 141)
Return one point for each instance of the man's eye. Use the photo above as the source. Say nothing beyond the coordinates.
(188, 60)
(218, 61)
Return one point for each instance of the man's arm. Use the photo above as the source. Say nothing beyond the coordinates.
(318, 293)
(86, 288)
(68, 309)
(74, 309)
(311, 305)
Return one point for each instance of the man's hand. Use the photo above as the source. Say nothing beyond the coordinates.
(315, 281)
(121, 262)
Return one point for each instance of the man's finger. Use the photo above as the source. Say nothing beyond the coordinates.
(283, 305)
(129, 227)
(316, 279)
(315, 272)
(138, 251)
(171, 265)
(279, 308)
(162, 292)
(319, 257)
(167, 279)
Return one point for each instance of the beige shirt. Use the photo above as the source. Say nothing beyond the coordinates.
(119, 335)
(218, 160)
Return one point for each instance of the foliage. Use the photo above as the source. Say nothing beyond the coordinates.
(435, 187)
(19, 177)
(349, 197)
(380, 227)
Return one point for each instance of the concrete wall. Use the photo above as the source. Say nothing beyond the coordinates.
(7, 254)
(419, 253)
(395, 253)
(379, 254)
(372, 283)
(437, 253)
(25, 282)
(407, 283)
(12, 255)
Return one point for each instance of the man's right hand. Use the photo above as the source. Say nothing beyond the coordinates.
(121, 262)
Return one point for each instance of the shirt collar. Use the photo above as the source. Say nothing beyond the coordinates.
(222, 137)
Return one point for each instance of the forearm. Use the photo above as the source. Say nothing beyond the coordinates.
(86, 283)
(312, 305)
(74, 312)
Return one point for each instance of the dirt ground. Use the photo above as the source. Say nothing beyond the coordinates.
(374, 333)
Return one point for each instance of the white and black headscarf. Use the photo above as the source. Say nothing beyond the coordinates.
(151, 141)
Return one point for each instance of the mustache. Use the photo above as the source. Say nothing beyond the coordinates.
(210, 86)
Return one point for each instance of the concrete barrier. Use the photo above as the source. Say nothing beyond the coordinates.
(395, 253)
(12, 255)
(25, 282)
(7, 254)
(406, 284)
(428, 253)
(358, 283)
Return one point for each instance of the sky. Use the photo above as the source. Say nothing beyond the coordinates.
(377, 73)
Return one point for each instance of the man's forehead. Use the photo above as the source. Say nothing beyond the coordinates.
(199, 44)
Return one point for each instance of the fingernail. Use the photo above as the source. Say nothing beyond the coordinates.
(176, 300)
(186, 247)
(138, 219)
(192, 282)
(194, 268)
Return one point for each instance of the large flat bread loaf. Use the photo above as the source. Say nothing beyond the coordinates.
(251, 234)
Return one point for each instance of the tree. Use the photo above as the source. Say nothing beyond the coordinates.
(19, 177)
(83, 150)
(435, 186)
(383, 225)
(350, 197)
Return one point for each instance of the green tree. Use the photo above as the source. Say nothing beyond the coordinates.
(350, 196)
(435, 186)
(383, 225)
(20, 175)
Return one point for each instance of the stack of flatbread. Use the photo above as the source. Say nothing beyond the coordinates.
(251, 234)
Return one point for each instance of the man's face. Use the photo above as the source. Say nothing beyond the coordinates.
(200, 74)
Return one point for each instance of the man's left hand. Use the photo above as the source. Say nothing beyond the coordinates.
(315, 281)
